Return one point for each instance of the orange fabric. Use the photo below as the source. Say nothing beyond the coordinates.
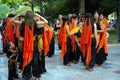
(49, 33)
(60, 36)
(98, 36)
(103, 41)
(64, 41)
(45, 42)
(9, 33)
(72, 37)
(85, 44)
(47, 37)
(17, 30)
(104, 21)
(28, 46)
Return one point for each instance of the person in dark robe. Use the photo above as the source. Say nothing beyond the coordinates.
(66, 42)
(9, 30)
(59, 31)
(78, 52)
(29, 37)
(102, 50)
(20, 52)
(12, 61)
(89, 42)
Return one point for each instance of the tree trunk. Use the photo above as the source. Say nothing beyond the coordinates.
(118, 21)
(41, 7)
(32, 5)
(82, 6)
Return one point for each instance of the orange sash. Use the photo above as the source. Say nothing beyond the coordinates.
(49, 33)
(63, 41)
(85, 44)
(72, 37)
(103, 41)
(9, 34)
(28, 46)
(104, 21)
(45, 40)
(60, 36)
(17, 31)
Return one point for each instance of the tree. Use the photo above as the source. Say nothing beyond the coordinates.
(4, 10)
(108, 6)
(11, 3)
(21, 9)
(82, 6)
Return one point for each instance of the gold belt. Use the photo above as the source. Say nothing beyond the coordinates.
(79, 39)
(92, 36)
(22, 38)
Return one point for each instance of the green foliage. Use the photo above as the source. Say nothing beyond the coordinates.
(52, 8)
(55, 7)
(22, 8)
(4, 10)
(108, 6)
(12, 3)
(113, 36)
(37, 8)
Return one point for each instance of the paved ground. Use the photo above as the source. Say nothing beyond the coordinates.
(57, 71)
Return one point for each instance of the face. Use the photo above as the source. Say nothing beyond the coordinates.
(22, 19)
(36, 18)
(101, 17)
(96, 15)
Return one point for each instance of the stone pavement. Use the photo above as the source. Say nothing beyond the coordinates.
(110, 70)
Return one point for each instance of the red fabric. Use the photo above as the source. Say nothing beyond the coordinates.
(17, 30)
(28, 46)
(9, 33)
(63, 42)
(60, 36)
(104, 21)
(45, 41)
(49, 33)
(72, 37)
(85, 44)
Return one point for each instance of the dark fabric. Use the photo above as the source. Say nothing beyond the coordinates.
(67, 57)
(16, 42)
(22, 29)
(78, 53)
(40, 30)
(52, 47)
(98, 26)
(55, 27)
(12, 73)
(93, 53)
(42, 63)
(34, 67)
(36, 63)
(20, 59)
(78, 34)
(59, 47)
(101, 56)
(27, 74)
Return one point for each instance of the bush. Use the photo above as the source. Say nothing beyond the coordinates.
(113, 36)
(4, 10)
